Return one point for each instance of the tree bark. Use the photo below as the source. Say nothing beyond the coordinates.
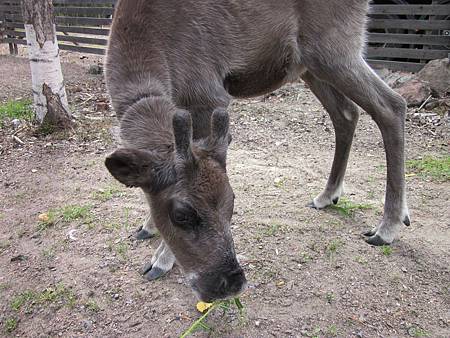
(50, 99)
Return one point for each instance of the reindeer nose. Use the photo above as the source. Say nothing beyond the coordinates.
(235, 280)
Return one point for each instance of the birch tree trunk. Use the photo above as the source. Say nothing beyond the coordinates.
(50, 99)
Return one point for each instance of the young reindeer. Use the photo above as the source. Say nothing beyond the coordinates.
(172, 69)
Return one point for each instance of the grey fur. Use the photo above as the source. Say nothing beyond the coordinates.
(166, 57)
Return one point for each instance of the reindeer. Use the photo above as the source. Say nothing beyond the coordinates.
(172, 69)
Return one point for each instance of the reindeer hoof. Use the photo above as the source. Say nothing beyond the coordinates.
(312, 205)
(336, 200)
(376, 240)
(142, 234)
(370, 233)
(152, 272)
(407, 221)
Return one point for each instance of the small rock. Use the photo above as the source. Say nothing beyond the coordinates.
(116, 296)
(281, 283)
(18, 258)
(437, 74)
(16, 123)
(87, 324)
(398, 79)
(96, 69)
(257, 323)
(43, 217)
(101, 106)
(34, 170)
(415, 92)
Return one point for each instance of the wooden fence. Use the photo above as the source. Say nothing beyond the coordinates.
(401, 37)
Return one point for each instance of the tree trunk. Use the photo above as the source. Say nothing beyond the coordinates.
(50, 99)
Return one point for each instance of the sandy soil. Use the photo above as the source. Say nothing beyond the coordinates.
(311, 273)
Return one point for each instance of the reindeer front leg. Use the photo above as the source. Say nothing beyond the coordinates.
(147, 229)
(161, 263)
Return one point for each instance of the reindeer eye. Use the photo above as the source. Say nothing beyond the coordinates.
(183, 215)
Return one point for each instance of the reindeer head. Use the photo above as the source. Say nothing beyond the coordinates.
(191, 201)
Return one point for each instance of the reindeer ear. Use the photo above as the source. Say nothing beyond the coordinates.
(182, 131)
(140, 168)
(220, 136)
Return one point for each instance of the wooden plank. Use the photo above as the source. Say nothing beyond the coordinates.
(70, 38)
(85, 11)
(66, 20)
(397, 66)
(76, 21)
(407, 53)
(15, 33)
(10, 2)
(409, 24)
(89, 50)
(84, 2)
(411, 9)
(83, 30)
(80, 39)
(13, 25)
(82, 49)
(67, 29)
(13, 40)
(414, 39)
(10, 9)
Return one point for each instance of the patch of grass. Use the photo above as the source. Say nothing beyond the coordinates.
(332, 331)
(107, 193)
(92, 305)
(279, 182)
(371, 194)
(225, 305)
(10, 325)
(49, 295)
(386, 250)
(381, 168)
(305, 258)
(330, 297)
(271, 230)
(112, 226)
(49, 253)
(66, 214)
(432, 167)
(347, 208)
(47, 220)
(417, 332)
(5, 286)
(333, 247)
(315, 333)
(17, 109)
(126, 216)
(4, 244)
(371, 179)
(361, 260)
(120, 248)
(268, 230)
(21, 299)
(74, 212)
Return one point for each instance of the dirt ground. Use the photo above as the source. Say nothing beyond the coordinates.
(310, 272)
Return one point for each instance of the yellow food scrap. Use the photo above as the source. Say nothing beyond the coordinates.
(202, 306)
(43, 217)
